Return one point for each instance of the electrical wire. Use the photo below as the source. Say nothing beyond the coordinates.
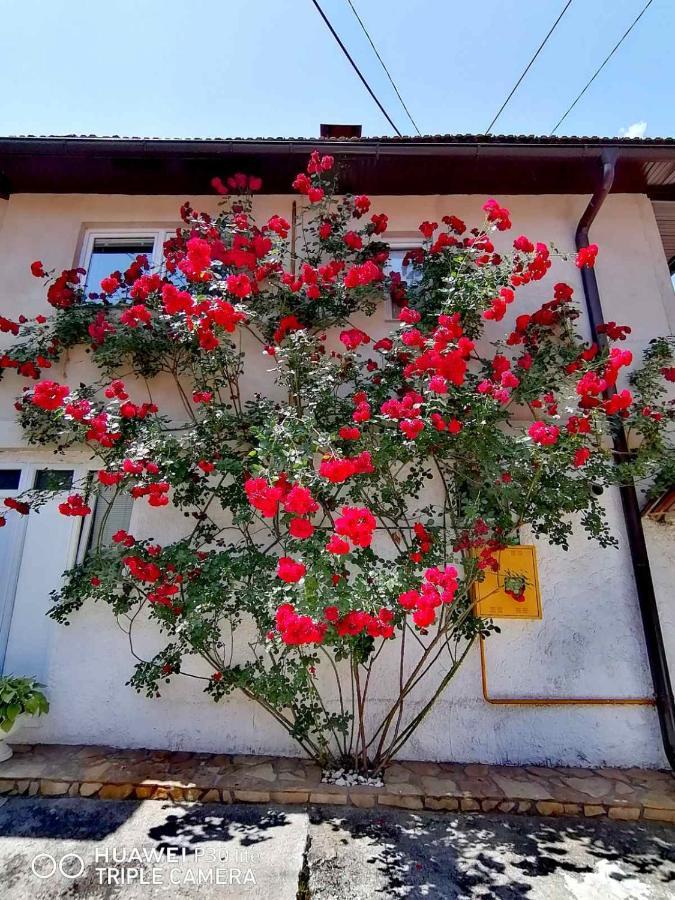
(355, 67)
(528, 66)
(393, 83)
(602, 66)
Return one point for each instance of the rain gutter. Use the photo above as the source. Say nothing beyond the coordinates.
(644, 585)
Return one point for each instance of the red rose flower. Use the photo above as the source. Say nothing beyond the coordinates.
(263, 496)
(337, 546)
(523, 244)
(109, 478)
(411, 428)
(379, 223)
(581, 457)
(289, 570)
(299, 501)
(301, 529)
(543, 434)
(497, 215)
(49, 395)
(17, 505)
(136, 315)
(586, 256)
(218, 186)
(349, 433)
(428, 228)
(353, 338)
(239, 285)
(74, 506)
(110, 284)
(353, 240)
(361, 205)
(358, 524)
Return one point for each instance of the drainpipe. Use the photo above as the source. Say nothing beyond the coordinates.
(644, 585)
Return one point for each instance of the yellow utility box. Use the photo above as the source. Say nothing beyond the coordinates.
(492, 599)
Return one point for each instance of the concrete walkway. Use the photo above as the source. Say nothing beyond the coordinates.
(107, 773)
(101, 850)
(140, 850)
(359, 856)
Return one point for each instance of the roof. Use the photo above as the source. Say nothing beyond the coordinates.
(426, 164)
(382, 139)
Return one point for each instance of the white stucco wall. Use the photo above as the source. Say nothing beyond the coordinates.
(660, 537)
(588, 644)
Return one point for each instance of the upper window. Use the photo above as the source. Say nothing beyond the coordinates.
(395, 261)
(397, 254)
(107, 251)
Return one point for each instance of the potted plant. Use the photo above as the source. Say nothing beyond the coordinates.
(18, 697)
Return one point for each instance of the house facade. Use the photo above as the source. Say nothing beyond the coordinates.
(579, 686)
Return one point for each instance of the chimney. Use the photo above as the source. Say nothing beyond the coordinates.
(340, 131)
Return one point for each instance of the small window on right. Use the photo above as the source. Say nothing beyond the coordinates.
(399, 263)
(112, 513)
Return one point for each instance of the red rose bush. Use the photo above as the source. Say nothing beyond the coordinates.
(336, 522)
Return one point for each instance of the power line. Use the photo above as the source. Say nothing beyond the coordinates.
(370, 40)
(355, 67)
(604, 63)
(528, 66)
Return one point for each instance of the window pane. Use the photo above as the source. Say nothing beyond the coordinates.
(53, 479)
(9, 479)
(395, 264)
(407, 273)
(114, 254)
(110, 514)
(176, 278)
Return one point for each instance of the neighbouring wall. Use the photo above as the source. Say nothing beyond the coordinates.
(588, 644)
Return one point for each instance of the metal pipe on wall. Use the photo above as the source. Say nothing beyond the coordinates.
(656, 653)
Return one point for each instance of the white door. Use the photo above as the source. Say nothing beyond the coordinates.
(13, 480)
(41, 553)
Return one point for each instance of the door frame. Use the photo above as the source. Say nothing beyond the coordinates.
(26, 481)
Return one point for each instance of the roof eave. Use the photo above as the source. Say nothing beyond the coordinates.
(377, 165)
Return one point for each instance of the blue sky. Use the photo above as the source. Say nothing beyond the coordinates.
(270, 67)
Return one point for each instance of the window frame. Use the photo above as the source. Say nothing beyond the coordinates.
(87, 523)
(399, 241)
(158, 234)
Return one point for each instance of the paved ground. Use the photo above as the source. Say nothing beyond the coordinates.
(135, 851)
(382, 854)
(147, 850)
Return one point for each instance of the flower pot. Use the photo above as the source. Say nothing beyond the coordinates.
(6, 751)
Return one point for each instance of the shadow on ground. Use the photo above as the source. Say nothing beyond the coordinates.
(326, 853)
(183, 827)
(196, 825)
(378, 853)
(60, 849)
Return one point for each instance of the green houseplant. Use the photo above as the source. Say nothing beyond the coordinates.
(18, 697)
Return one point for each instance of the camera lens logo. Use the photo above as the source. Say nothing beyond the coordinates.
(44, 866)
